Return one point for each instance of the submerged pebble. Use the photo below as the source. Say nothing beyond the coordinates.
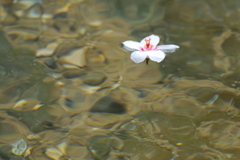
(19, 147)
(75, 57)
(108, 105)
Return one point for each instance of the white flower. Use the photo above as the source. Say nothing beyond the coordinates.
(148, 49)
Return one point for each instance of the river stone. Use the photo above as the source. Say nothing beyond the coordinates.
(51, 63)
(75, 57)
(108, 105)
(73, 73)
(94, 79)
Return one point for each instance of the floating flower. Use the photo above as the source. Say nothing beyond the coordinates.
(148, 49)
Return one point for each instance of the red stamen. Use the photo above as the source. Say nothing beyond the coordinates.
(148, 45)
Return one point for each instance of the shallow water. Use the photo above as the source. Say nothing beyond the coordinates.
(69, 91)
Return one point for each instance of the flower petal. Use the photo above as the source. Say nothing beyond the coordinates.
(156, 56)
(131, 45)
(138, 56)
(167, 48)
(154, 40)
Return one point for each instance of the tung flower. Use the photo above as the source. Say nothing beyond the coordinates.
(148, 49)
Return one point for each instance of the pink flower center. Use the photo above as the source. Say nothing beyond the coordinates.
(148, 46)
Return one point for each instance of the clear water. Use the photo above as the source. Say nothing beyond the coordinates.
(69, 91)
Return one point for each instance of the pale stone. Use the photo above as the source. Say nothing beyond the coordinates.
(28, 151)
(33, 136)
(44, 52)
(3, 13)
(26, 104)
(82, 30)
(69, 66)
(20, 103)
(53, 153)
(47, 16)
(19, 147)
(48, 51)
(36, 107)
(76, 57)
(62, 147)
(95, 23)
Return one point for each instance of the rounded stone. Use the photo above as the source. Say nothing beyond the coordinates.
(108, 105)
(94, 79)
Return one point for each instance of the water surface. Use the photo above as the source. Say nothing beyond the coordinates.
(69, 91)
